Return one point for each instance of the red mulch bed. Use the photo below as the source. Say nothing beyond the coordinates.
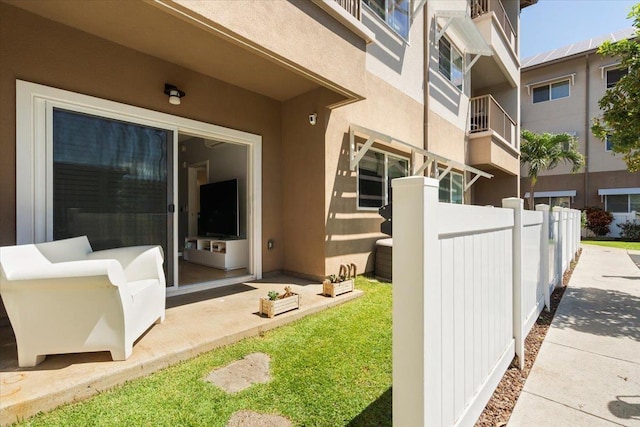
(504, 398)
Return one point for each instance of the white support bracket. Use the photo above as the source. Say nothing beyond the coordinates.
(440, 33)
(470, 64)
(356, 155)
(444, 173)
(470, 183)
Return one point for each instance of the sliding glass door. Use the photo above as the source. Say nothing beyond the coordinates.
(112, 181)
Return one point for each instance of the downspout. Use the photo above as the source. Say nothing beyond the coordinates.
(425, 66)
(587, 130)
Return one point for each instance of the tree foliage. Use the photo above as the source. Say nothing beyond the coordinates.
(543, 152)
(620, 105)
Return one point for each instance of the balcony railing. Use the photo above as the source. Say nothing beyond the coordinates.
(481, 7)
(487, 115)
(351, 6)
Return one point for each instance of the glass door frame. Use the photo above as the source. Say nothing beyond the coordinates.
(34, 134)
(172, 180)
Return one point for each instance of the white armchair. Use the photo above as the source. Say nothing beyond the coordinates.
(61, 297)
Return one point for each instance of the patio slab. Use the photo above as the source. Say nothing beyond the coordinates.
(195, 323)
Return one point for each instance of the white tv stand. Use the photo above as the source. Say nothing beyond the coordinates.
(225, 254)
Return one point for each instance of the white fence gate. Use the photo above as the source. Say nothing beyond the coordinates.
(468, 284)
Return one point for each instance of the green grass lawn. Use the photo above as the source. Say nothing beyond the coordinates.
(613, 244)
(329, 369)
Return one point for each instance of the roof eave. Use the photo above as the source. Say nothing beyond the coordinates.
(527, 3)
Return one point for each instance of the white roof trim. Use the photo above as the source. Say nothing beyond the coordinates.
(617, 191)
(465, 30)
(560, 193)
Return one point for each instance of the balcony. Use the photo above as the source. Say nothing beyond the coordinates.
(351, 6)
(494, 23)
(493, 141)
(481, 7)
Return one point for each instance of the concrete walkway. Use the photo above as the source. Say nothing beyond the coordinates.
(587, 372)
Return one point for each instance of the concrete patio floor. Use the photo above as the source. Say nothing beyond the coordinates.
(195, 323)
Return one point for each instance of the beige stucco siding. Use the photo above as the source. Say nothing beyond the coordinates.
(59, 56)
(570, 114)
(298, 33)
(351, 233)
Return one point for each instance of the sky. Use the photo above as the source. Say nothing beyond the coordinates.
(550, 24)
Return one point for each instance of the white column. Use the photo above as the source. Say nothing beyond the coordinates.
(417, 318)
(518, 322)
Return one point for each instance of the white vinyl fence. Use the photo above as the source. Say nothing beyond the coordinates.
(468, 284)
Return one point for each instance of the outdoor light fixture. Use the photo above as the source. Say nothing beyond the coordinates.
(174, 94)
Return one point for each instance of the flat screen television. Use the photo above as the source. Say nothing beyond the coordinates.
(219, 209)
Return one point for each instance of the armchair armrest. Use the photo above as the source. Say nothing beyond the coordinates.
(65, 271)
(138, 262)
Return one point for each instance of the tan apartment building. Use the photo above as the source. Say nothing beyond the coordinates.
(249, 137)
(560, 93)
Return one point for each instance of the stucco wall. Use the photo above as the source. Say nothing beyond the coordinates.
(351, 234)
(569, 114)
(41, 51)
(303, 184)
(296, 33)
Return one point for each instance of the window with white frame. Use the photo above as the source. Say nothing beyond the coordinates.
(614, 75)
(450, 62)
(395, 13)
(551, 91)
(376, 169)
(622, 203)
(451, 188)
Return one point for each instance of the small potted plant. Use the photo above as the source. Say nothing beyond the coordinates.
(342, 283)
(275, 303)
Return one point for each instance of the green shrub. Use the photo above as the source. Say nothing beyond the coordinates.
(598, 221)
(630, 230)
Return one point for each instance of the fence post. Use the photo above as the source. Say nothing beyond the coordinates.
(544, 253)
(559, 252)
(518, 328)
(417, 312)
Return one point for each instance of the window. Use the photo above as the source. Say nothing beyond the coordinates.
(614, 75)
(551, 91)
(622, 203)
(450, 62)
(563, 202)
(375, 172)
(608, 145)
(394, 12)
(451, 188)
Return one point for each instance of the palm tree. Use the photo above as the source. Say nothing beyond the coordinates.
(543, 152)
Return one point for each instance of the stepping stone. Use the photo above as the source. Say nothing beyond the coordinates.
(252, 369)
(255, 419)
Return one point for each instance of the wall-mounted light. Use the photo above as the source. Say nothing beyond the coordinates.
(174, 94)
(313, 118)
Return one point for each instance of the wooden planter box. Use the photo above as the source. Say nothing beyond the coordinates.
(272, 308)
(333, 289)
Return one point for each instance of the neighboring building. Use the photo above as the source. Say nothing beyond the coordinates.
(560, 93)
(312, 106)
